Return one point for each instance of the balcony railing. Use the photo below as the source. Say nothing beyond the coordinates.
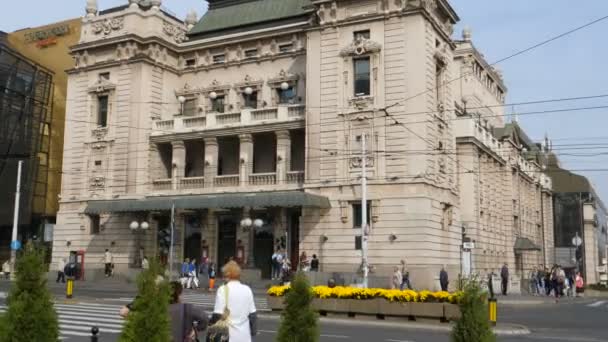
(228, 180)
(263, 178)
(213, 120)
(295, 177)
(264, 114)
(162, 184)
(192, 183)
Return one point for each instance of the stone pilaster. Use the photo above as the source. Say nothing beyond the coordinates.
(246, 158)
(179, 162)
(211, 160)
(283, 155)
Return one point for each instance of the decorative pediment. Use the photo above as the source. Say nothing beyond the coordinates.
(283, 76)
(107, 26)
(361, 46)
(187, 89)
(102, 86)
(216, 86)
(178, 34)
(249, 82)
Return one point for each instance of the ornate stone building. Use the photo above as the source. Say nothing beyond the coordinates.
(250, 122)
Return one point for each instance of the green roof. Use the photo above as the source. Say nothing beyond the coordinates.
(242, 13)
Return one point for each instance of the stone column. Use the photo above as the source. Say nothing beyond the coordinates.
(210, 235)
(155, 163)
(245, 158)
(211, 160)
(178, 162)
(283, 155)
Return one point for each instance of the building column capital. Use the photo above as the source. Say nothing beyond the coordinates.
(210, 141)
(178, 144)
(283, 135)
(245, 138)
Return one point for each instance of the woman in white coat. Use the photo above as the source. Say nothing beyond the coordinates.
(237, 299)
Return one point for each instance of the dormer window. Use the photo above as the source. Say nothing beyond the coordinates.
(219, 59)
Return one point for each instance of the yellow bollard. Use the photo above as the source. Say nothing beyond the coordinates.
(69, 290)
(492, 306)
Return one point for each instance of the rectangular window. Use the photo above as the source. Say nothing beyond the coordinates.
(104, 76)
(363, 34)
(190, 63)
(219, 59)
(102, 111)
(251, 53)
(189, 108)
(358, 243)
(357, 214)
(217, 104)
(95, 224)
(362, 79)
(98, 163)
(286, 96)
(251, 101)
(285, 47)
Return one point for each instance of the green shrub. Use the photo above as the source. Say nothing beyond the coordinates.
(474, 324)
(30, 315)
(299, 322)
(149, 319)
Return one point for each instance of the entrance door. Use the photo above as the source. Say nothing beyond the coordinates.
(294, 238)
(192, 238)
(226, 241)
(263, 250)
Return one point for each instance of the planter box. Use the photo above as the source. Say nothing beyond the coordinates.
(330, 305)
(275, 303)
(432, 310)
(451, 312)
(387, 308)
(365, 306)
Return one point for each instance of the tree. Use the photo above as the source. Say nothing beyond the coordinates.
(30, 315)
(474, 324)
(299, 322)
(149, 318)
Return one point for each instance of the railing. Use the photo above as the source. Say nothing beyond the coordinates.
(263, 178)
(295, 111)
(192, 183)
(198, 121)
(162, 184)
(295, 177)
(264, 114)
(164, 125)
(229, 180)
(230, 118)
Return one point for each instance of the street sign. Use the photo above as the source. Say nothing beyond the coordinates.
(577, 241)
(468, 245)
(16, 245)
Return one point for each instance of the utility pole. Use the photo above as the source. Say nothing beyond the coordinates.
(172, 237)
(364, 228)
(14, 242)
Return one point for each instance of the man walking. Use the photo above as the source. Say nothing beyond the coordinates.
(504, 276)
(405, 281)
(108, 259)
(443, 279)
(61, 270)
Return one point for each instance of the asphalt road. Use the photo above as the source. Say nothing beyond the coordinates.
(580, 320)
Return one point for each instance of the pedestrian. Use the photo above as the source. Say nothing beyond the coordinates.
(396, 279)
(285, 272)
(274, 265)
(6, 269)
(405, 277)
(187, 320)
(185, 268)
(540, 280)
(60, 270)
(314, 264)
(548, 282)
(192, 275)
(304, 263)
(211, 276)
(234, 305)
(504, 276)
(108, 260)
(580, 284)
(145, 264)
(443, 279)
(532, 286)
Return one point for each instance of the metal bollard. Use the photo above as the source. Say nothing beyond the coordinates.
(94, 333)
(69, 288)
(492, 306)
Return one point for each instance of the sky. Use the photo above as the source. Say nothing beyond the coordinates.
(571, 66)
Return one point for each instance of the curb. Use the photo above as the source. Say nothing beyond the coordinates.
(512, 330)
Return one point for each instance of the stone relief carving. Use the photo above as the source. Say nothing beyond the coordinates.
(97, 183)
(100, 133)
(360, 46)
(107, 26)
(101, 86)
(357, 162)
(177, 33)
(361, 102)
(283, 76)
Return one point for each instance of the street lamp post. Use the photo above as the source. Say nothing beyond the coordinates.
(250, 225)
(138, 228)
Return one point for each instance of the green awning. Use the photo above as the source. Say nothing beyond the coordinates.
(211, 201)
(525, 244)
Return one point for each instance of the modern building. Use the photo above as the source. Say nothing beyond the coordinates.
(45, 48)
(250, 129)
(580, 224)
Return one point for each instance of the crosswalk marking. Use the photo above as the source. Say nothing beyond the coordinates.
(201, 299)
(77, 319)
(597, 304)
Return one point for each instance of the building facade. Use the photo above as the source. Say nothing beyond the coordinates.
(250, 129)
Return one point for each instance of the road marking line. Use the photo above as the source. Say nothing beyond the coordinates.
(389, 340)
(334, 336)
(596, 304)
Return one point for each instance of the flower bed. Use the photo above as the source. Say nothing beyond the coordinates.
(380, 302)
